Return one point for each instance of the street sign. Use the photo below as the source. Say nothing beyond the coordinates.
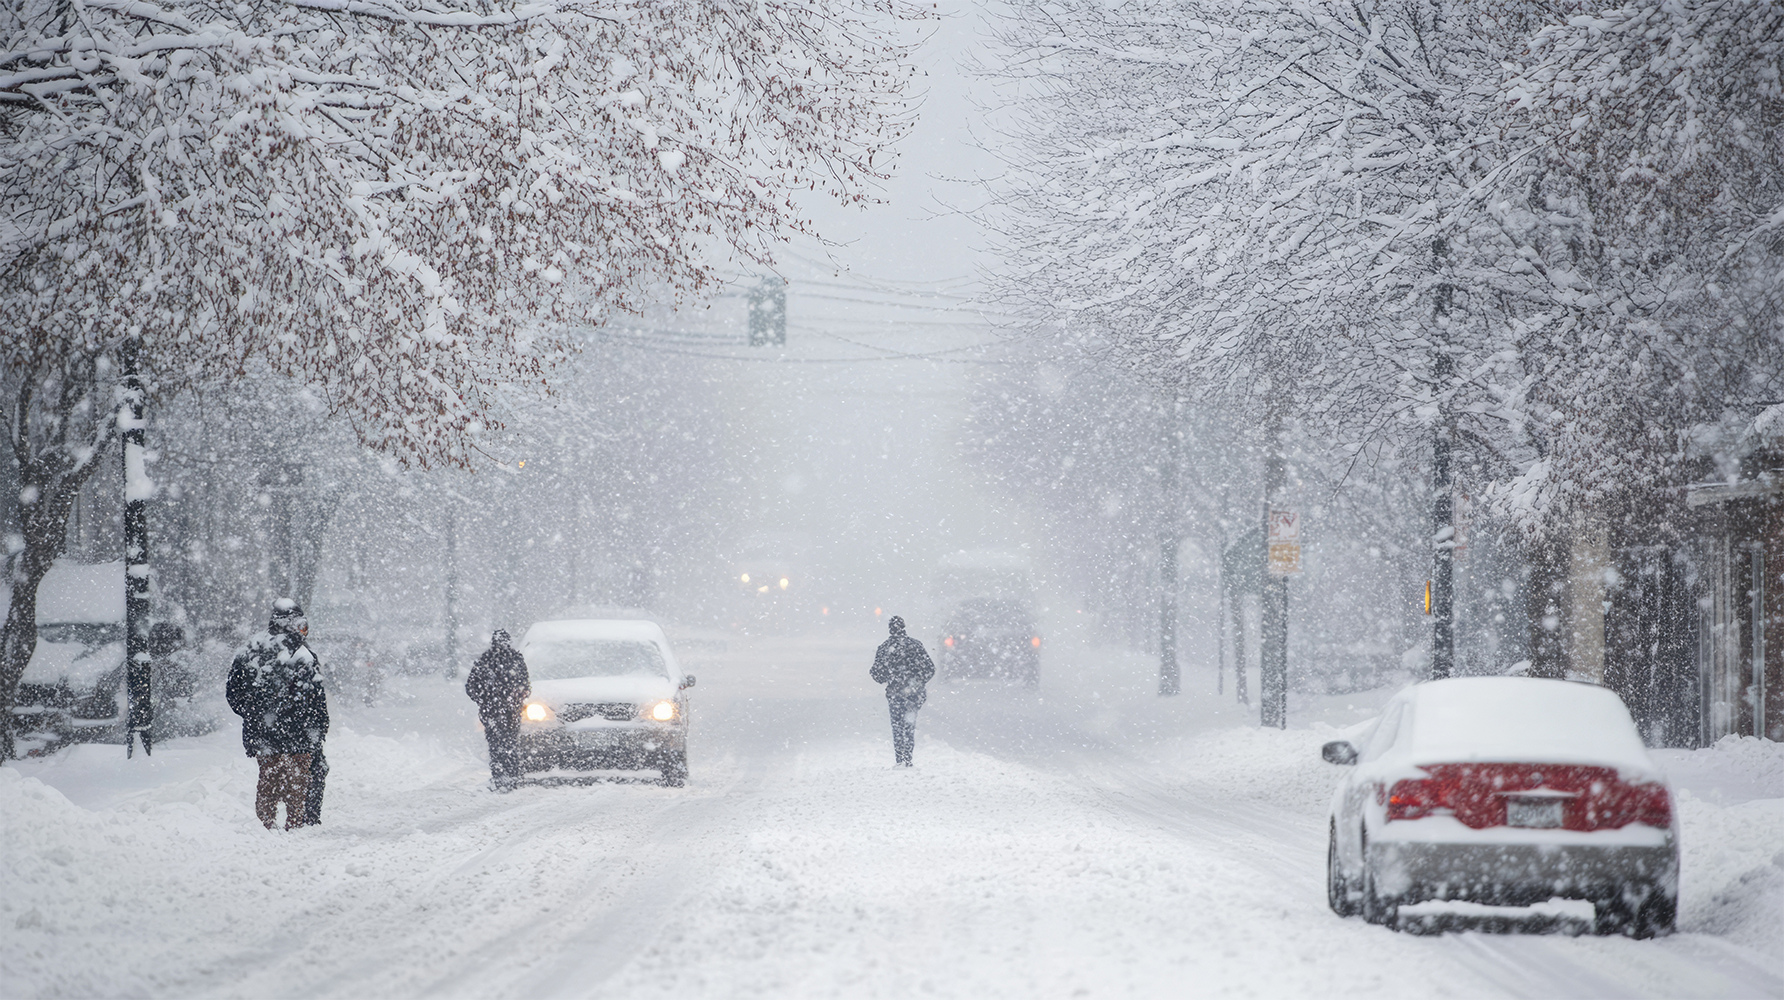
(1285, 558)
(1285, 526)
(1285, 543)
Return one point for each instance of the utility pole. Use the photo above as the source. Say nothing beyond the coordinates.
(1443, 508)
(1273, 620)
(451, 534)
(137, 490)
(1170, 680)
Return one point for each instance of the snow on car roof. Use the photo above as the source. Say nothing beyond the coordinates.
(1522, 719)
(73, 592)
(623, 630)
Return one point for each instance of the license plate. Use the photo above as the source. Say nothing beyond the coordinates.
(1533, 812)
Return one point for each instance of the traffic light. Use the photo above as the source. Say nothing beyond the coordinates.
(768, 313)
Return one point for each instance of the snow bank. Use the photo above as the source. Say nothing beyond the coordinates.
(1730, 800)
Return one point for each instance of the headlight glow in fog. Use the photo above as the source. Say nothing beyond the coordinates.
(663, 711)
(536, 712)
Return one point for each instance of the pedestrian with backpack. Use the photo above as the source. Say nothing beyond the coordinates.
(499, 684)
(276, 687)
(903, 665)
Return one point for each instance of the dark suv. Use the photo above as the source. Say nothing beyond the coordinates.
(988, 637)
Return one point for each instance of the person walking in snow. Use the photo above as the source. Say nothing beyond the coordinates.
(275, 686)
(903, 665)
(499, 684)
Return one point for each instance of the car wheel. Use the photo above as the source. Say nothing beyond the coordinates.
(1338, 894)
(675, 770)
(1657, 916)
(1612, 916)
(1376, 910)
(1654, 916)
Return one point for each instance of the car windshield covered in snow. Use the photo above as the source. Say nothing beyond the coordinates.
(563, 658)
(84, 633)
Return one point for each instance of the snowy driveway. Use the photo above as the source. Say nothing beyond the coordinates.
(1099, 844)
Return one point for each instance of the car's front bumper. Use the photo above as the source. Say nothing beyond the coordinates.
(620, 747)
(1519, 874)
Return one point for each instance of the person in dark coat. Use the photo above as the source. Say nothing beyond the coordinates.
(903, 665)
(499, 684)
(275, 686)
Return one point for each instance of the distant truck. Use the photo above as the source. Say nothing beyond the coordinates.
(987, 600)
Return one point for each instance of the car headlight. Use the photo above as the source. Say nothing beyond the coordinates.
(535, 712)
(662, 711)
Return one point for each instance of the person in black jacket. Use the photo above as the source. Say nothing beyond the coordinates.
(499, 684)
(903, 665)
(276, 689)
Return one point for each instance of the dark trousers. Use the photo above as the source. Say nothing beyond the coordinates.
(904, 727)
(284, 777)
(503, 733)
(318, 778)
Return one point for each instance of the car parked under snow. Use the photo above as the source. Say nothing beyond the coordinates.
(72, 689)
(1506, 791)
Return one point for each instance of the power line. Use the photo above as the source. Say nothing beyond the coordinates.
(914, 356)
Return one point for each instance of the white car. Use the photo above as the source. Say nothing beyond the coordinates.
(606, 695)
(1505, 791)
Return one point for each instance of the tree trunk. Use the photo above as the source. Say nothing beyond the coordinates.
(1170, 679)
(137, 490)
(1273, 594)
(1544, 590)
(1443, 513)
(452, 587)
(1443, 539)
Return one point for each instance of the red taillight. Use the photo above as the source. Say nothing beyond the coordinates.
(1595, 797)
(1035, 642)
(949, 641)
(1416, 798)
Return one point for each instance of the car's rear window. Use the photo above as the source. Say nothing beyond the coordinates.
(1522, 719)
(991, 614)
(561, 659)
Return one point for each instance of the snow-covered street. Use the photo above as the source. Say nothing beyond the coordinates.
(1086, 840)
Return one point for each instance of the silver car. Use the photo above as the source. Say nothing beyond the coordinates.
(607, 694)
(1505, 791)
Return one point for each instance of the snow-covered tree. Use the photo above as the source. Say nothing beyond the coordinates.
(1271, 201)
(1652, 200)
(394, 203)
(1277, 205)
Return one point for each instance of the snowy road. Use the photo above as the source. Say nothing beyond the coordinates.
(1099, 844)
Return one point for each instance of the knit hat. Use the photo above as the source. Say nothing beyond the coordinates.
(896, 625)
(500, 637)
(288, 616)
